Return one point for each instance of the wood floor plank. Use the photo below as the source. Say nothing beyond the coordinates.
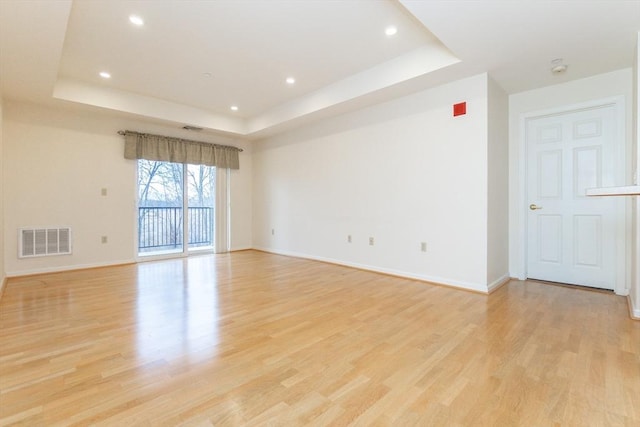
(251, 338)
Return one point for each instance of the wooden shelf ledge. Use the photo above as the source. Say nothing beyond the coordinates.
(629, 190)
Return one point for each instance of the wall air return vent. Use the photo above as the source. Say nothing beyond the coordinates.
(44, 241)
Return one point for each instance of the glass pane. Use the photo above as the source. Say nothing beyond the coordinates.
(200, 188)
(159, 207)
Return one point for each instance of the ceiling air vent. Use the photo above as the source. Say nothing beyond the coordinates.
(44, 241)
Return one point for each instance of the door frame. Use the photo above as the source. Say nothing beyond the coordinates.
(623, 208)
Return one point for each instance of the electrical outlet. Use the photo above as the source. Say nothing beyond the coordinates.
(349, 238)
(423, 246)
(103, 191)
(104, 239)
(370, 241)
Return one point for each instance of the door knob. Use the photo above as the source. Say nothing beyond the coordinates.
(534, 207)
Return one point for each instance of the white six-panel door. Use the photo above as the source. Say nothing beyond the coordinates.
(572, 238)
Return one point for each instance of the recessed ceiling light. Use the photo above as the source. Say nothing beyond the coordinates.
(136, 20)
(105, 75)
(234, 108)
(290, 80)
(391, 31)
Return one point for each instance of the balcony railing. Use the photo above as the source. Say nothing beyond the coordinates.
(160, 228)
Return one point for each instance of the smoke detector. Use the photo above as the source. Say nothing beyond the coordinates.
(557, 66)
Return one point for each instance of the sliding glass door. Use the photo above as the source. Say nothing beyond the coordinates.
(201, 201)
(165, 192)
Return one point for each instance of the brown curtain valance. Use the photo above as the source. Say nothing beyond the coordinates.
(177, 150)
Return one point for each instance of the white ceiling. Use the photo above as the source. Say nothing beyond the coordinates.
(52, 51)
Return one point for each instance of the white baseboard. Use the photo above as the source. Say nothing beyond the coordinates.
(67, 268)
(499, 282)
(475, 287)
(634, 311)
(3, 284)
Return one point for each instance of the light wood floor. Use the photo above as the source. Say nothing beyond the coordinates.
(256, 339)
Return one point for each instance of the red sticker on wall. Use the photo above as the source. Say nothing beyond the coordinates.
(459, 109)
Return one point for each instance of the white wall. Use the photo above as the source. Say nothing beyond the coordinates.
(2, 181)
(498, 185)
(241, 200)
(634, 295)
(603, 86)
(57, 162)
(402, 172)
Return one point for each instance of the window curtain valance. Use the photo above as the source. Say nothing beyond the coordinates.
(177, 150)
